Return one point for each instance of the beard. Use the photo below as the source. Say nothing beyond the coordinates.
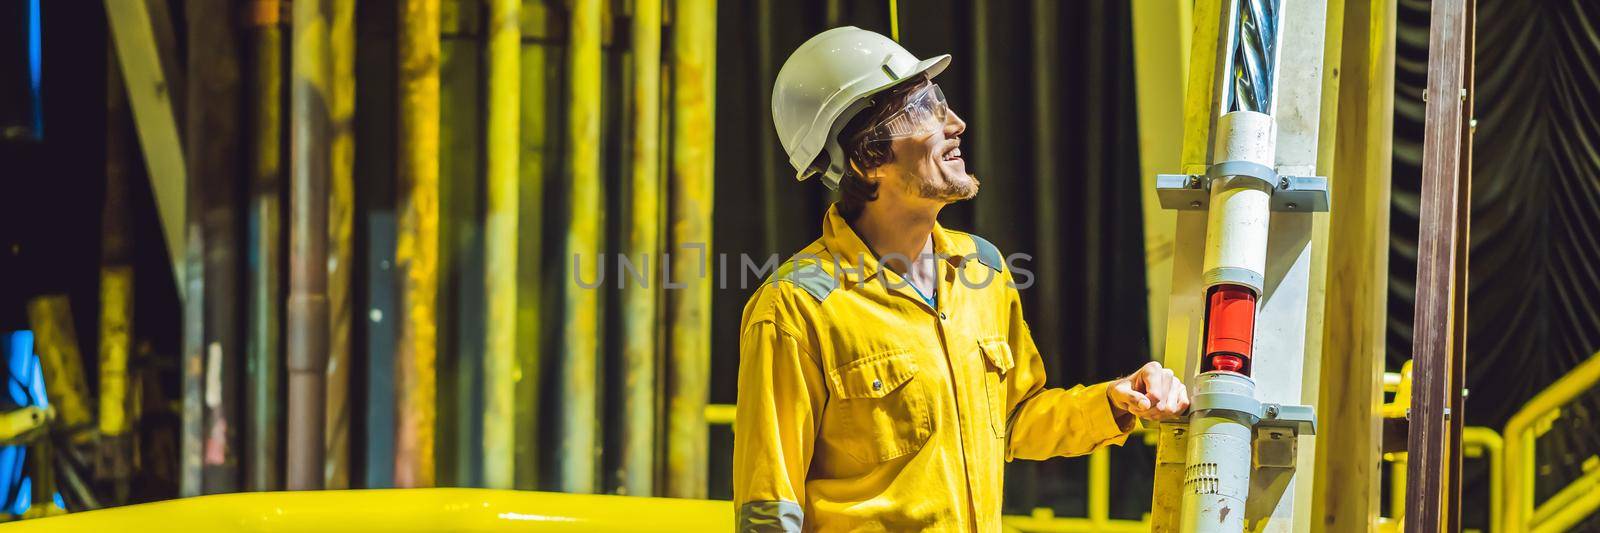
(946, 190)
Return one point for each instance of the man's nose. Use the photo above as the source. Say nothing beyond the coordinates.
(953, 125)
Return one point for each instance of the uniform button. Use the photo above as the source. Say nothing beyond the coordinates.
(877, 384)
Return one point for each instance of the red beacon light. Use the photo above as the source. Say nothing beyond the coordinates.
(1230, 328)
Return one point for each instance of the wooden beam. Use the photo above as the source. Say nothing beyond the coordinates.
(1355, 311)
(1441, 269)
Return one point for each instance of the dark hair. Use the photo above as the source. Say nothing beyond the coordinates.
(863, 151)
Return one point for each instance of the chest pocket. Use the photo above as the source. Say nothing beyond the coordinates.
(997, 364)
(884, 407)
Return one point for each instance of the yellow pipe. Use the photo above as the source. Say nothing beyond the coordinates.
(643, 245)
(1519, 440)
(1489, 443)
(1569, 506)
(894, 20)
(720, 414)
(1100, 487)
(1397, 484)
(689, 314)
(417, 246)
(581, 323)
(341, 254)
(1043, 520)
(1567, 495)
(398, 511)
(502, 62)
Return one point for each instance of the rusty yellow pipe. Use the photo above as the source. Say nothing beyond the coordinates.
(417, 246)
(398, 511)
(116, 290)
(643, 250)
(1519, 440)
(57, 345)
(341, 251)
(581, 320)
(689, 312)
(263, 347)
(502, 63)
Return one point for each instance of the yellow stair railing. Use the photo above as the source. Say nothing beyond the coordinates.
(1571, 504)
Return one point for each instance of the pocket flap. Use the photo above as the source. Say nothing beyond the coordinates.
(873, 376)
(998, 353)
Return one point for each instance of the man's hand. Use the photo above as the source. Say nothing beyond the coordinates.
(1152, 393)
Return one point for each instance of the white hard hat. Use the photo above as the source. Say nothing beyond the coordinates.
(826, 81)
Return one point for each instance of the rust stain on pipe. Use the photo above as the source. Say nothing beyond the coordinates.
(341, 220)
(417, 249)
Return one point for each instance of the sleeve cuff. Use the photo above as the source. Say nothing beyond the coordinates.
(1105, 426)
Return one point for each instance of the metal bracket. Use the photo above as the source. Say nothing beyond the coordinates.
(1292, 194)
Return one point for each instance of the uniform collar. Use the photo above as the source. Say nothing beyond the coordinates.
(857, 262)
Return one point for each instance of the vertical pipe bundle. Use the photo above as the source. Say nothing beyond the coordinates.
(307, 321)
(644, 245)
(417, 247)
(503, 64)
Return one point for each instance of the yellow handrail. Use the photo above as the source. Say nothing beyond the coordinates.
(399, 511)
(1519, 444)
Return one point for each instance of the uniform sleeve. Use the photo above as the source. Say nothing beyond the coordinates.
(781, 395)
(1050, 422)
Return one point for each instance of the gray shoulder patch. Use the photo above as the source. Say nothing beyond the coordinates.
(771, 515)
(988, 254)
(808, 275)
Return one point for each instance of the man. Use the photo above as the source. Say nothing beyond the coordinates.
(885, 371)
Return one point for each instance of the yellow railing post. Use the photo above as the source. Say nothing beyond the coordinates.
(417, 246)
(502, 117)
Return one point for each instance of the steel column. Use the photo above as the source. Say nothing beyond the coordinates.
(307, 324)
(112, 462)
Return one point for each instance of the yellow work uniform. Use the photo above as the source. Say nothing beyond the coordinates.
(862, 407)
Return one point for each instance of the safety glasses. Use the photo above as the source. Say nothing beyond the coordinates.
(923, 114)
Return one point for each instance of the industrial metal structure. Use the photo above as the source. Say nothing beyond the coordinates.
(427, 324)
